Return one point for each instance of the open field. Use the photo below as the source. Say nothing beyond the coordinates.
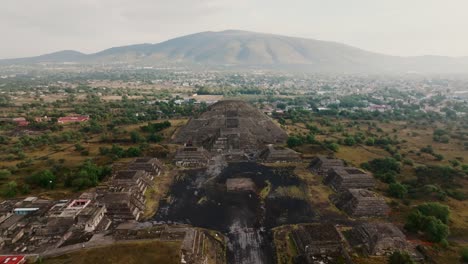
(124, 253)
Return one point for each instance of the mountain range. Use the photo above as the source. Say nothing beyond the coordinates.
(241, 49)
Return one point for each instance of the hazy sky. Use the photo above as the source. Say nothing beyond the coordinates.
(396, 27)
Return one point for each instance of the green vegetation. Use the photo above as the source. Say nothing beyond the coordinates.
(43, 179)
(266, 190)
(124, 253)
(397, 190)
(398, 257)
(380, 166)
(464, 254)
(87, 175)
(441, 135)
(155, 127)
(384, 169)
(291, 192)
(430, 218)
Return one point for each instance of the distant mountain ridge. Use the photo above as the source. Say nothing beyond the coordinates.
(236, 48)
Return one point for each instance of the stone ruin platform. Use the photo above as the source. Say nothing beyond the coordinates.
(319, 243)
(229, 125)
(240, 184)
(343, 178)
(361, 203)
(379, 238)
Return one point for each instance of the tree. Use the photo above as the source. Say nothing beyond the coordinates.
(397, 190)
(281, 106)
(436, 230)
(11, 189)
(294, 141)
(464, 254)
(349, 141)
(370, 141)
(381, 166)
(332, 146)
(430, 218)
(79, 147)
(133, 152)
(400, 258)
(153, 137)
(310, 139)
(88, 175)
(387, 177)
(135, 137)
(4, 174)
(44, 179)
(440, 211)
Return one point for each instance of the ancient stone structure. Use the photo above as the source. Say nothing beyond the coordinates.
(278, 154)
(123, 205)
(124, 196)
(190, 156)
(343, 178)
(91, 217)
(361, 203)
(192, 247)
(321, 164)
(127, 179)
(230, 125)
(151, 165)
(319, 243)
(380, 238)
(240, 184)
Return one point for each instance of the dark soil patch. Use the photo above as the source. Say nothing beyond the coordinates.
(241, 215)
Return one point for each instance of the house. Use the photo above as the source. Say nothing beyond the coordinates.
(12, 259)
(380, 108)
(20, 121)
(72, 119)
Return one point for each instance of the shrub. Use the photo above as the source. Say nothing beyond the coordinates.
(44, 179)
(441, 212)
(294, 141)
(133, 152)
(388, 177)
(370, 141)
(382, 165)
(400, 258)
(408, 162)
(4, 174)
(135, 137)
(331, 146)
(156, 127)
(397, 190)
(11, 189)
(442, 175)
(464, 254)
(88, 175)
(155, 138)
(349, 141)
(430, 218)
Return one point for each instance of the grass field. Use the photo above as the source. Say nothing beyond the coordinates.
(124, 253)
